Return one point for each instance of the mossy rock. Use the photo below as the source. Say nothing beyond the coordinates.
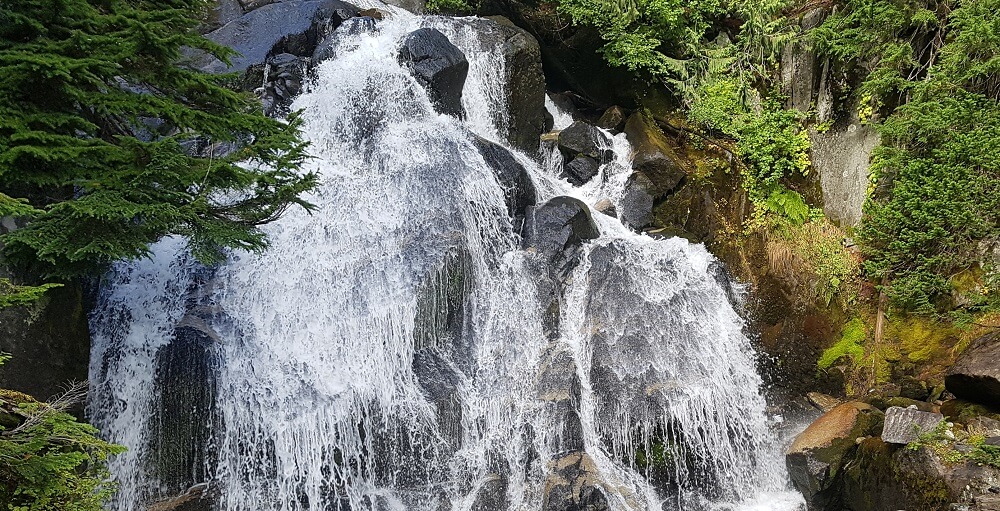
(11, 415)
(818, 455)
(883, 403)
(961, 411)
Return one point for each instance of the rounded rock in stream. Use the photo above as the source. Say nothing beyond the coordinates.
(439, 66)
(557, 226)
(519, 189)
(581, 170)
(581, 138)
(818, 454)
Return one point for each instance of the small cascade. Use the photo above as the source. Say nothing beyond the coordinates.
(401, 348)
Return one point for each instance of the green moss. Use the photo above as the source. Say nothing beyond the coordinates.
(850, 345)
(921, 339)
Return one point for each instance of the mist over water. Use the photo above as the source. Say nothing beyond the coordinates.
(391, 350)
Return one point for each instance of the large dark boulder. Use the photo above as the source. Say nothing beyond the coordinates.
(883, 477)
(584, 148)
(976, 373)
(581, 169)
(582, 138)
(654, 154)
(523, 121)
(294, 27)
(519, 189)
(438, 65)
(573, 59)
(557, 226)
(638, 198)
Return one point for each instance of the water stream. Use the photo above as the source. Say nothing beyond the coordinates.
(391, 350)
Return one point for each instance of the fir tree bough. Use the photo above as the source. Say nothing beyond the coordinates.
(48, 460)
(98, 125)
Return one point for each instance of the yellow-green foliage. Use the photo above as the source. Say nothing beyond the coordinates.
(48, 460)
(851, 344)
(818, 244)
(13, 294)
(921, 339)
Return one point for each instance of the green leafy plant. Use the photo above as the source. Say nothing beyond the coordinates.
(933, 74)
(769, 141)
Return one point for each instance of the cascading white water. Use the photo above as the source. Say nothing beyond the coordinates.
(386, 351)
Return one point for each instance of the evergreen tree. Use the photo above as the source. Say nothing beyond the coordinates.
(98, 124)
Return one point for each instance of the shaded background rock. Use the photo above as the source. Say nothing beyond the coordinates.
(654, 154)
(976, 373)
(49, 340)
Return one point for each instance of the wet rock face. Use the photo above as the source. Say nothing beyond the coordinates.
(414, 6)
(654, 155)
(184, 416)
(283, 81)
(439, 66)
(557, 226)
(293, 27)
(559, 388)
(519, 189)
(976, 374)
(350, 28)
(818, 454)
(525, 94)
(574, 485)
(199, 497)
(638, 198)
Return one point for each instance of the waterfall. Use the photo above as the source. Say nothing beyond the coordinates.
(393, 350)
